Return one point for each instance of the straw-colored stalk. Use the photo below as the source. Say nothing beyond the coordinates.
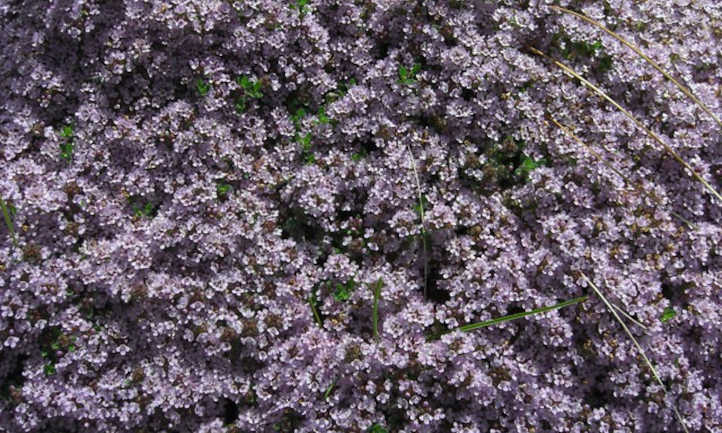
(571, 134)
(423, 221)
(639, 52)
(636, 344)
(639, 124)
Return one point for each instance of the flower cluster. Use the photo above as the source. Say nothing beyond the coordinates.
(271, 216)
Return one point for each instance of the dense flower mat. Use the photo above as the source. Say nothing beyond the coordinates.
(268, 216)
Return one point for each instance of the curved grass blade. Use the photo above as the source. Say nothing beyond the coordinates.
(639, 124)
(571, 134)
(639, 52)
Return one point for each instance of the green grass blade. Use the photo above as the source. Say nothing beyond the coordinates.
(8, 222)
(329, 389)
(316, 316)
(478, 325)
(375, 314)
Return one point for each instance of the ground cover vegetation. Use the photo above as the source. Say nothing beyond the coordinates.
(360, 216)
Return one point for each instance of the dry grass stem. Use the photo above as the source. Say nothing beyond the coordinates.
(639, 124)
(639, 52)
(636, 344)
(601, 159)
(423, 221)
(631, 319)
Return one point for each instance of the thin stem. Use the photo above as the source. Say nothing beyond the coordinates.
(636, 344)
(633, 119)
(423, 221)
(639, 52)
(571, 134)
(631, 319)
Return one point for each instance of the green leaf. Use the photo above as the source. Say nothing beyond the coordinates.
(377, 428)
(255, 92)
(305, 142)
(668, 314)
(407, 76)
(528, 165)
(244, 82)
(49, 369)
(403, 73)
(605, 63)
(203, 87)
(145, 211)
(222, 189)
(312, 301)
(342, 89)
(342, 293)
(301, 6)
(300, 114)
(8, 212)
(240, 104)
(66, 150)
(322, 117)
(250, 87)
(67, 131)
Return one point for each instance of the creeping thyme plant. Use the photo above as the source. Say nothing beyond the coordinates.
(372, 216)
